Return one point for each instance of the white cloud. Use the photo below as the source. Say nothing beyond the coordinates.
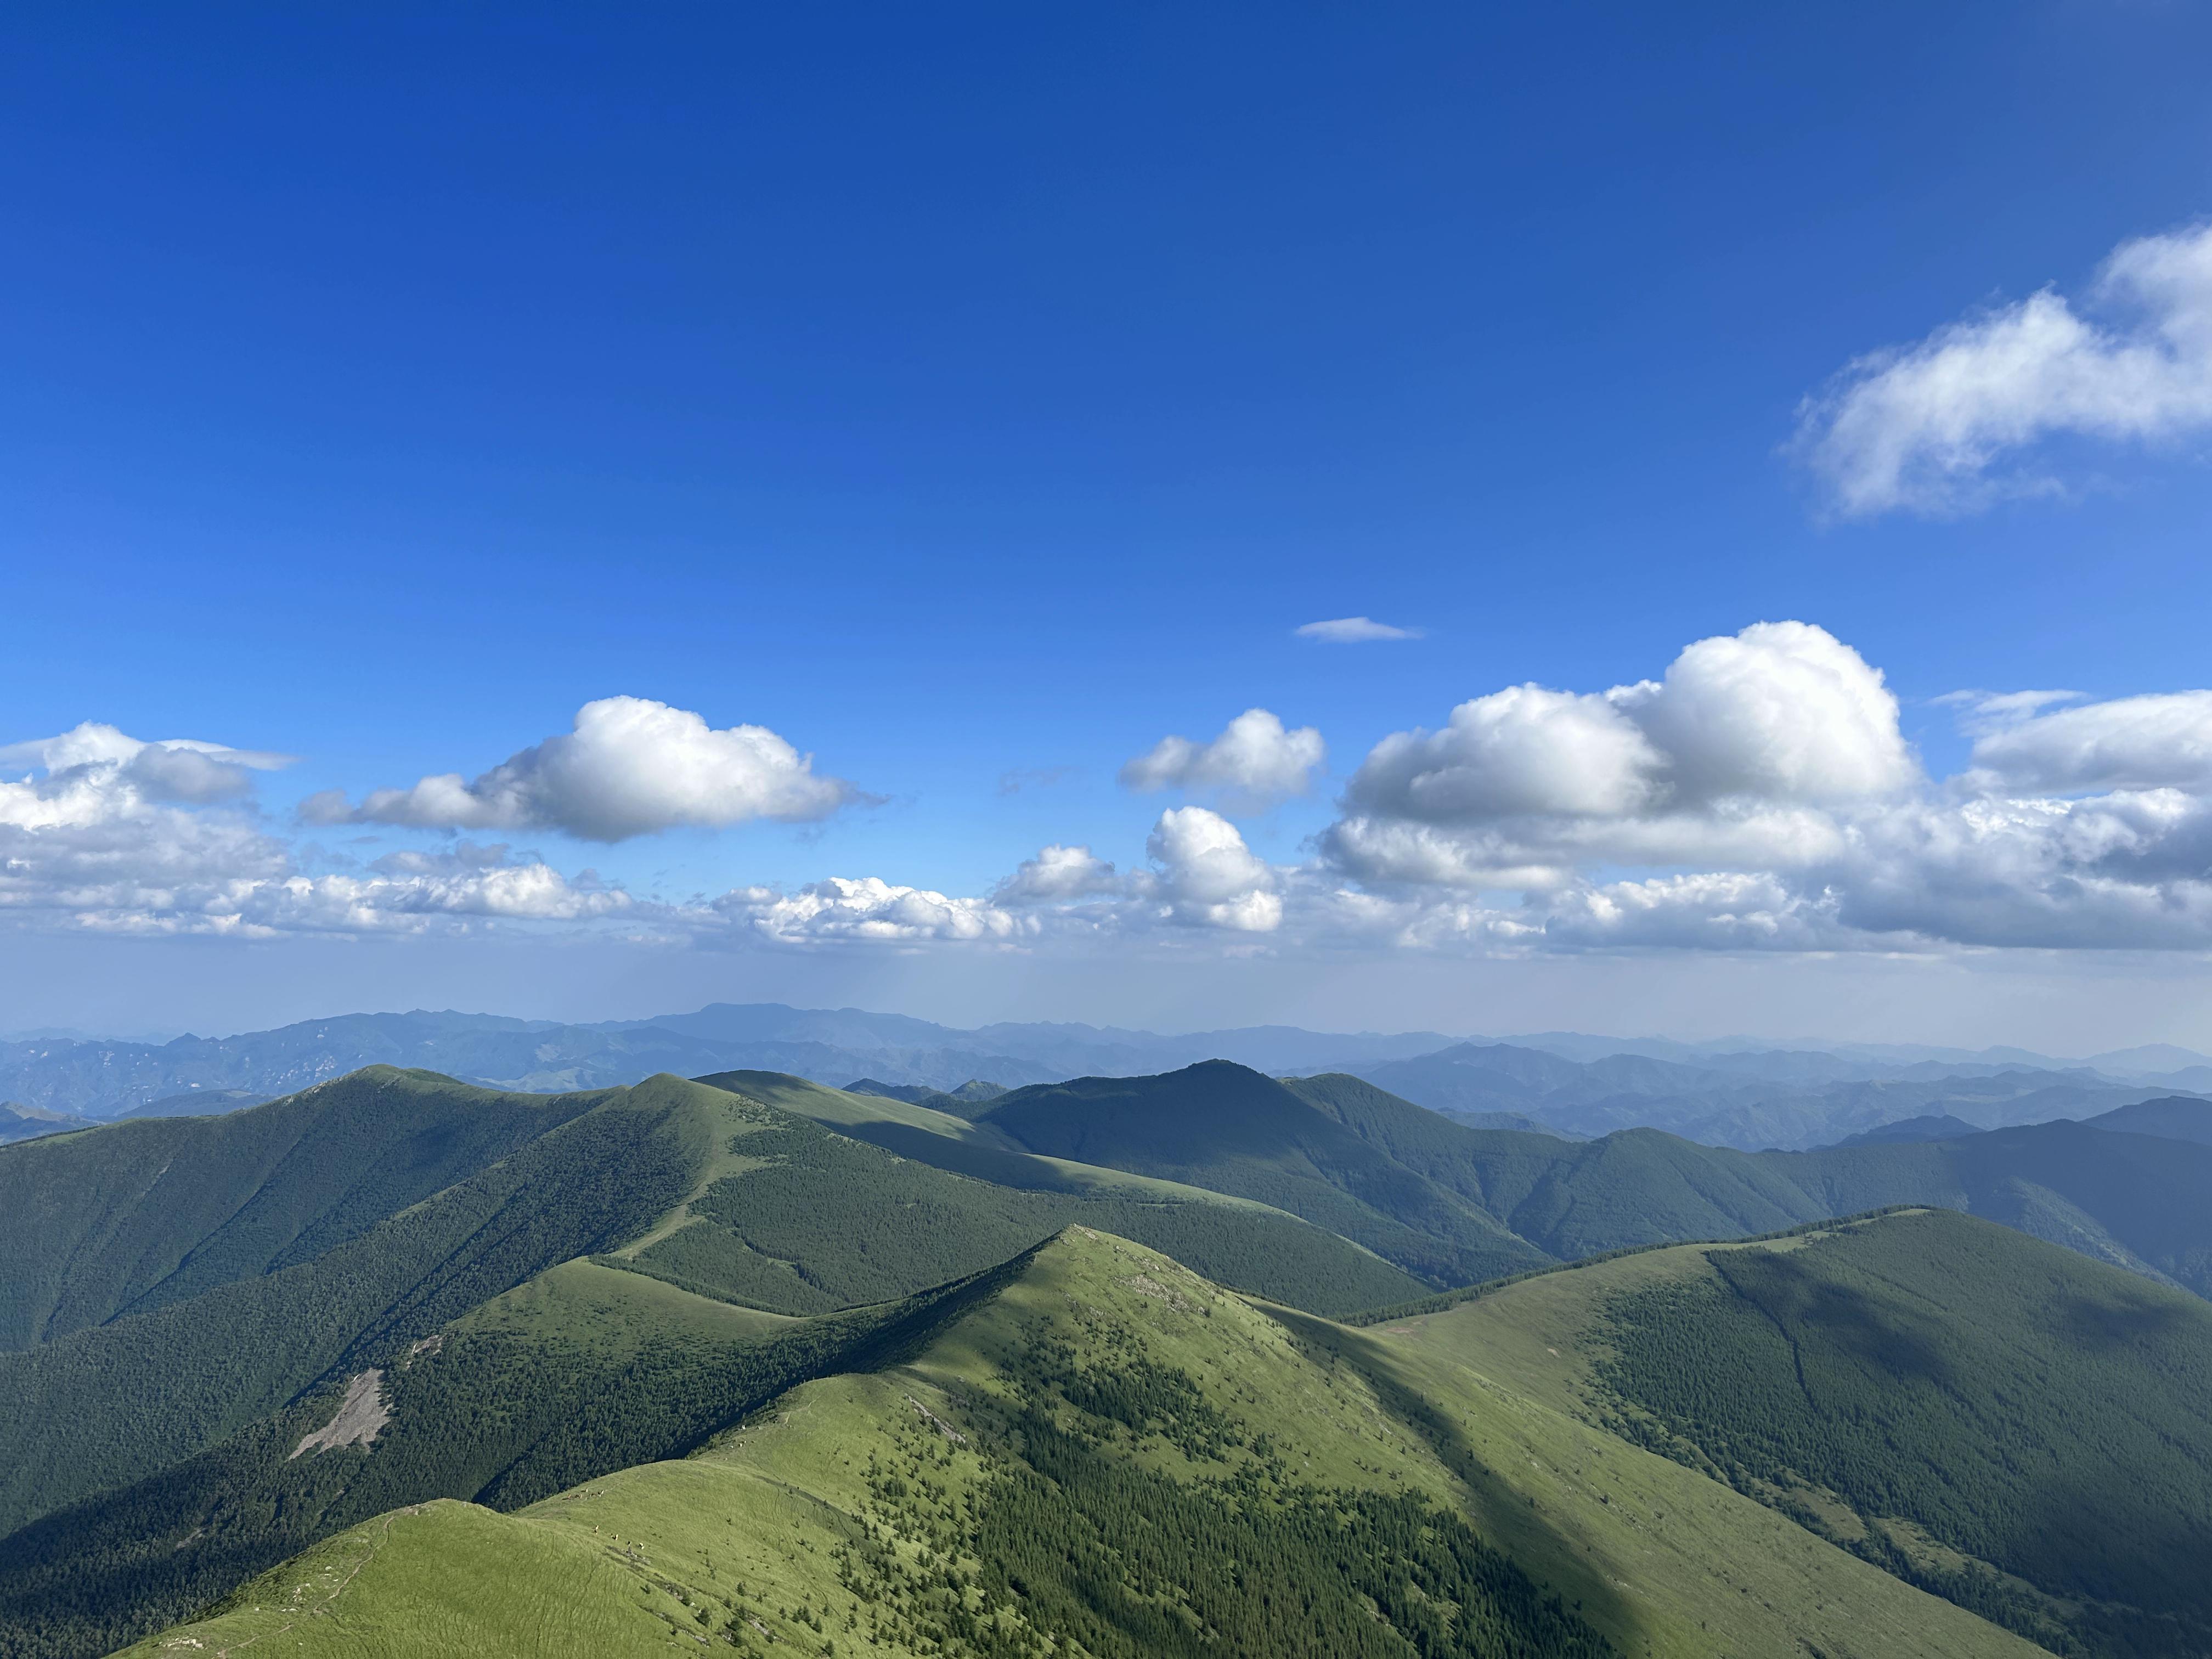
(2129, 743)
(166, 769)
(1737, 753)
(1056, 875)
(1925, 428)
(1254, 762)
(868, 911)
(1520, 751)
(1353, 630)
(631, 767)
(1781, 711)
(122, 836)
(1757, 796)
(1205, 876)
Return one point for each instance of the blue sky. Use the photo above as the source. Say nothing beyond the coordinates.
(973, 396)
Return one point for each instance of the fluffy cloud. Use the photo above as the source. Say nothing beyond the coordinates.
(1056, 875)
(631, 767)
(1925, 428)
(1763, 792)
(1736, 753)
(1254, 762)
(95, 759)
(1205, 876)
(1353, 630)
(123, 836)
(1756, 796)
(2129, 743)
(869, 910)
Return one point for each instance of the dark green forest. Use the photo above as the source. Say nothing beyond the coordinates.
(107, 1405)
(2016, 1404)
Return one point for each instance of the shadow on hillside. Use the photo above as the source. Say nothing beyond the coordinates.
(2117, 1319)
(1573, 1579)
(1020, 1170)
(1810, 1306)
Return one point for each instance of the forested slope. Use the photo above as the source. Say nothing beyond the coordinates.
(136, 1214)
(816, 1221)
(109, 1404)
(1108, 1456)
(2002, 1422)
(1434, 1196)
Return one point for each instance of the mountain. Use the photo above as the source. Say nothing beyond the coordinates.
(1942, 1126)
(1736, 1093)
(973, 1093)
(196, 1103)
(1305, 1490)
(432, 1334)
(1999, 1422)
(189, 1298)
(2181, 1118)
(1749, 1109)
(1444, 1201)
(1863, 1382)
(1223, 1127)
(2150, 1059)
(21, 1122)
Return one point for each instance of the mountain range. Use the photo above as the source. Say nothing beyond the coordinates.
(1749, 1096)
(401, 1365)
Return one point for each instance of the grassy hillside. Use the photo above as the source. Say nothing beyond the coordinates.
(582, 1370)
(1111, 1456)
(1974, 1411)
(2005, 1424)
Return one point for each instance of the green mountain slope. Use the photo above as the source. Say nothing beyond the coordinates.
(669, 1184)
(1427, 1193)
(1110, 1456)
(1997, 1420)
(582, 1370)
(1221, 1126)
(106, 1405)
(815, 1221)
(139, 1214)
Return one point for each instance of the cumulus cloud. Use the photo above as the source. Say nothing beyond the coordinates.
(1204, 875)
(1758, 795)
(869, 910)
(123, 836)
(1353, 630)
(1761, 797)
(1927, 428)
(1735, 752)
(1056, 875)
(630, 767)
(2129, 743)
(1254, 762)
(164, 770)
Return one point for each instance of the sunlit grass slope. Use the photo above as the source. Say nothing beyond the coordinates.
(1114, 1457)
